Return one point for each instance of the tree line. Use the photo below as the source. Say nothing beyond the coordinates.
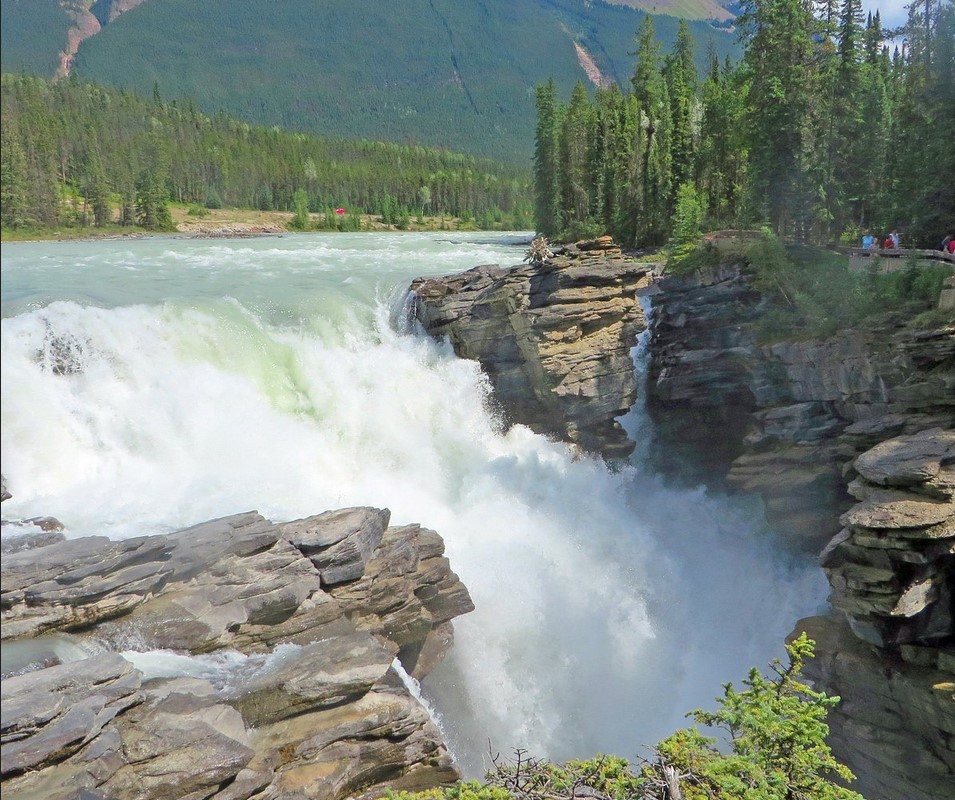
(75, 153)
(821, 131)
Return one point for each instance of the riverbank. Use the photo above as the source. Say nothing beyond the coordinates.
(226, 223)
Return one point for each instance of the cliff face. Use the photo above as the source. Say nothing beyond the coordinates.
(850, 441)
(554, 338)
(291, 690)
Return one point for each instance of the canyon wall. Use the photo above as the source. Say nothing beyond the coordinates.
(848, 440)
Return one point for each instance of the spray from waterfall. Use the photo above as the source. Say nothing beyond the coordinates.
(268, 376)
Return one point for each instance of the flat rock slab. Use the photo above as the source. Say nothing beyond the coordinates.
(322, 674)
(879, 512)
(908, 460)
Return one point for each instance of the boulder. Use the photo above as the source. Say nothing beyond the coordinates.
(317, 710)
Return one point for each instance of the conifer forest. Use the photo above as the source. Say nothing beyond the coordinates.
(79, 154)
(828, 126)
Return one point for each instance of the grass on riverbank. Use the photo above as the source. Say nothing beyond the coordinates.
(222, 221)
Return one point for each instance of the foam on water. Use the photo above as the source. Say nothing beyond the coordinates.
(607, 604)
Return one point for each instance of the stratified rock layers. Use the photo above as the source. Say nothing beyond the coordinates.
(812, 426)
(554, 338)
(319, 607)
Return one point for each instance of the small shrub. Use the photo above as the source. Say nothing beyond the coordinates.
(197, 211)
(776, 750)
(580, 230)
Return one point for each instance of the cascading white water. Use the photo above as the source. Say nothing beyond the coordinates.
(153, 384)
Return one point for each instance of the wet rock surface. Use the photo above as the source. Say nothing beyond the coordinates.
(554, 338)
(301, 699)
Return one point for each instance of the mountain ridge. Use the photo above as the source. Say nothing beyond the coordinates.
(454, 75)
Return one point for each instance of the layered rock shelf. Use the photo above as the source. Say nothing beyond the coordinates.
(850, 442)
(891, 573)
(554, 338)
(279, 671)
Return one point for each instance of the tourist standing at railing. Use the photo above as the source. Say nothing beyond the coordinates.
(894, 236)
(868, 242)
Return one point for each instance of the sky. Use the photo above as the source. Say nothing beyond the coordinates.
(893, 12)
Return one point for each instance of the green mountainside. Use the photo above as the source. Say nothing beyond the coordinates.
(70, 152)
(32, 35)
(444, 73)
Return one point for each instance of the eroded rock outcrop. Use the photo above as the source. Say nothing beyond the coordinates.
(554, 338)
(785, 420)
(849, 441)
(892, 577)
(298, 695)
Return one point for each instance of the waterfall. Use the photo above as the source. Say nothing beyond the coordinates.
(206, 379)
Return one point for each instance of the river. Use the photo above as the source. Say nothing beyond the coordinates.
(151, 384)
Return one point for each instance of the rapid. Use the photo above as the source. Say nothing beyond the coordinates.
(151, 384)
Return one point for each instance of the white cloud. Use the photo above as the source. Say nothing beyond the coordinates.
(893, 12)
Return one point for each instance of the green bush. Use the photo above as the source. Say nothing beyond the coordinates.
(197, 211)
(579, 231)
(776, 750)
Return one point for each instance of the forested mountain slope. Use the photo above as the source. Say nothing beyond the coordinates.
(441, 72)
(72, 152)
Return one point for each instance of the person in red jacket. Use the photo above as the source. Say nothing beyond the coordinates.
(888, 244)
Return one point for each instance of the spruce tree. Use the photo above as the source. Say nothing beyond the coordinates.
(574, 160)
(778, 36)
(546, 171)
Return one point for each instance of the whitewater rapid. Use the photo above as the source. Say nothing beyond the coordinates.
(149, 385)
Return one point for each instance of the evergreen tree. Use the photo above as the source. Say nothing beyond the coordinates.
(14, 200)
(546, 171)
(152, 209)
(681, 80)
(778, 36)
(653, 101)
(574, 159)
(723, 150)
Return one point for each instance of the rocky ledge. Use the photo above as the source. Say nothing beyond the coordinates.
(554, 338)
(290, 642)
(891, 574)
(850, 442)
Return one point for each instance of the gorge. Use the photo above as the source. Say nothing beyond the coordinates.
(810, 426)
(608, 600)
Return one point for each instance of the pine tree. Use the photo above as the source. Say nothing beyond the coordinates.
(546, 170)
(778, 36)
